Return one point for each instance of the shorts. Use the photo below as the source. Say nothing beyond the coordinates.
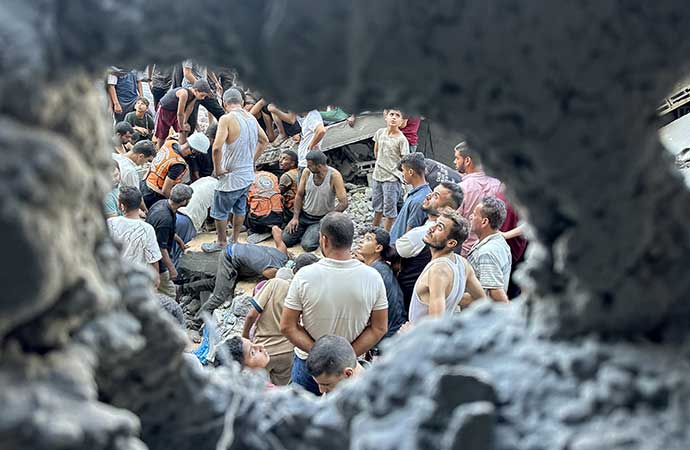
(225, 203)
(164, 120)
(384, 197)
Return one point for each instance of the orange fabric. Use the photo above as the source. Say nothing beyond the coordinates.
(264, 195)
(165, 158)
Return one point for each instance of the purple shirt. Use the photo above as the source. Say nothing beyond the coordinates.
(475, 186)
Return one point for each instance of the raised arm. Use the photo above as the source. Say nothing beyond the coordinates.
(319, 133)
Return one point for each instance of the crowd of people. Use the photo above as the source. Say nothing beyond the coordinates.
(440, 239)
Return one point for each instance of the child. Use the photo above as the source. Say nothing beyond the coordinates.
(141, 120)
(389, 147)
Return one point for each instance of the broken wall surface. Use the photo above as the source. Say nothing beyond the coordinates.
(558, 98)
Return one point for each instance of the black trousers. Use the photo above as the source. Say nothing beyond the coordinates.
(212, 106)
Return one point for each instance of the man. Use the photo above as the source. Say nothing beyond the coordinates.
(138, 238)
(286, 122)
(265, 315)
(338, 295)
(141, 120)
(475, 184)
(435, 172)
(390, 146)
(313, 132)
(243, 260)
(110, 208)
(169, 167)
(246, 354)
(409, 127)
(490, 255)
(441, 285)
(319, 186)
(372, 251)
(239, 143)
(191, 73)
(162, 218)
(122, 137)
(175, 108)
(265, 203)
(288, 182)
(191, 218)
(331, 361)
(411, 214)
(161, 82)
(123, 87)
(141, 153)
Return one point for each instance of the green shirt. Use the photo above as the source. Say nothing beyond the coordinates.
(110, 202)
(334, 115)
(144, 122)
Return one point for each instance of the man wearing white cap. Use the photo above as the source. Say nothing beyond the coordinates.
(169, 167)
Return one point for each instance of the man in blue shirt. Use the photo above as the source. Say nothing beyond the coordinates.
(411, 214)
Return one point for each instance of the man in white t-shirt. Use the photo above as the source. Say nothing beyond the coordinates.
(138, 238)
(338, 295)
(143, 152)
(313, 131)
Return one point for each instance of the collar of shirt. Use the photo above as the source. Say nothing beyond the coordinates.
(418, 188)
(490, 237)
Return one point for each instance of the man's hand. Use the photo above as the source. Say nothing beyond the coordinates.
(117, 108)
(173, 274)
(358, 256)
(407, 326)
(351, 120)
(292, 226)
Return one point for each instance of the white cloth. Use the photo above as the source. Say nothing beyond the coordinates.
(411, 243)
(308, 123)
(129, 175)
(336, 297)
(138, 239)
(202, 197)
(238, 158)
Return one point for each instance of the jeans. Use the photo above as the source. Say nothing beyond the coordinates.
(301, 376)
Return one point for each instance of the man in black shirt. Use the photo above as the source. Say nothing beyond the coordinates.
(436, 173)
(162, 218)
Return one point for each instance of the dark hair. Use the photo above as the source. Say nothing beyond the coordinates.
(494, 210)
(236, 350)
(130, 197)
(465, 150)
(292, 154)
(211, 131)
(172, 307)
(144, 100)
(144, 147)
(339, 229)
(181, 193)
(202, 85)
(330, 355)
(317, 157)
(123, 128)
(383, 238)
(460, 229)
(304, 260)
(456, 194)
(414, 161)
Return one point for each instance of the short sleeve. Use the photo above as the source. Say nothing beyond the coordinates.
(285, 180)
(377, 135)
(112, 79)
(175, 171)
(139, 74)
(404, 147)
(266, 293)
(293, 300)
(381, 301)
(130, 118)
(489, 272)
(187, 64)
(163, 236)
(110, 204)
(152, 252)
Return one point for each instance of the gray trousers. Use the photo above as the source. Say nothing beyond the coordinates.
(226, 279)
(307, 233)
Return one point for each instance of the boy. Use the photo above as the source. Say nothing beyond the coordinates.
(389, 147)
(141, 120)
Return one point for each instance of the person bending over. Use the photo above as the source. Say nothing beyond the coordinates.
(331, 361)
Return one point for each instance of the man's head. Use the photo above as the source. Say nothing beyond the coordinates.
(316, 160)
(129, 199)
(201, 89)
(304, 260)
(115, 173)
(375, 243)
(141, 105)
(247, 354)
(232, 98)
(288, 160)
(330, 361)
(394, 117)
(449, 231)
(466, 159)
(488, 216)
(249, 100)
(446, 194)
(142, 152)
(413, 167)
(337, 232)
(197, 142)
(180, 195)
(124, 131)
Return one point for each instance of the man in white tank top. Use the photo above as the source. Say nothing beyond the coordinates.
(239, 142)
(440, 287)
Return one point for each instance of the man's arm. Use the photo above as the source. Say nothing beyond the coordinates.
(297, 206)
(498, 295)
(291, 329)
(167, 262)
(438, 279)
(515, 232)
(112, 95)
(188, 74)
(340, 192)
(168, 184)
(140, 88)
(182, 98)
(249, 321)
(156, 274)
(217, 148)
(319, 133)
(473, 289)
(261, 144)
(372, 334)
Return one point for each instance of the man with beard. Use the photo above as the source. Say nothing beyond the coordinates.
(475, 184)
(441, 285)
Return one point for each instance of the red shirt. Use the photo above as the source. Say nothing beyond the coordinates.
(517, 244)
(410, 130)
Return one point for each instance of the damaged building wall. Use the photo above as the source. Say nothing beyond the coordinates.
(559, 98)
